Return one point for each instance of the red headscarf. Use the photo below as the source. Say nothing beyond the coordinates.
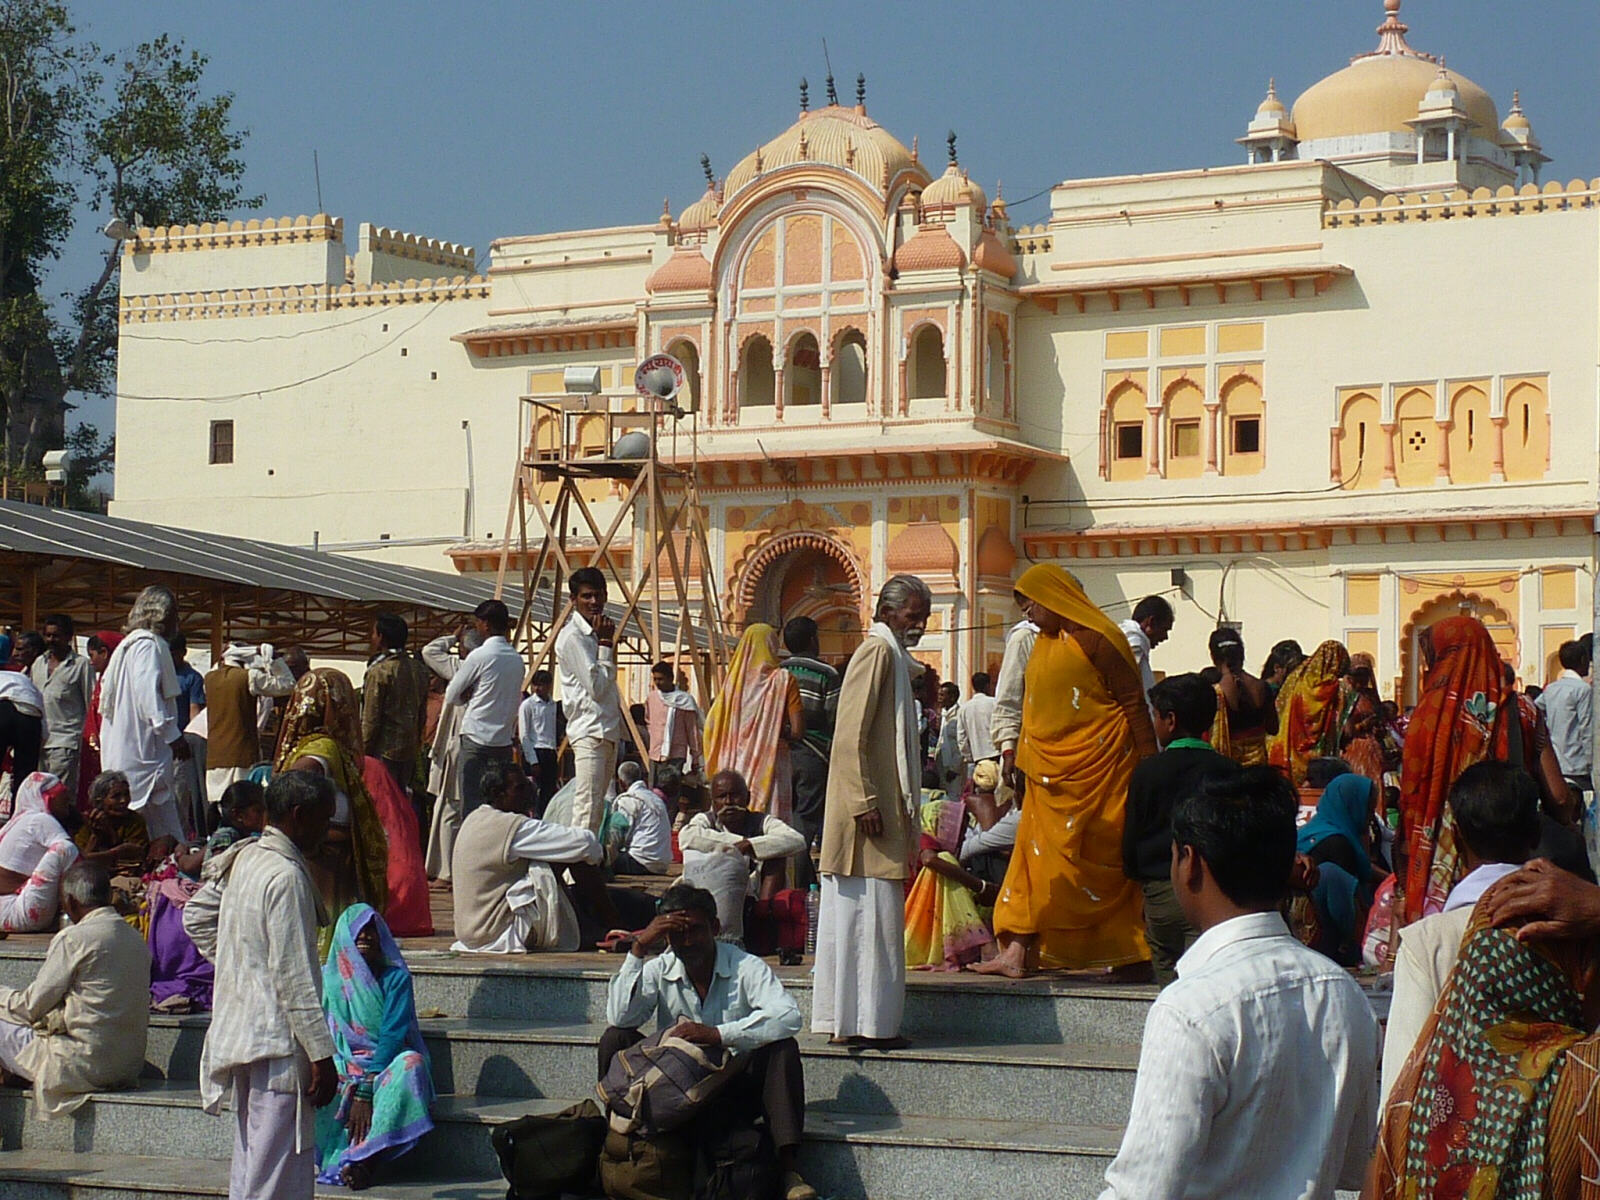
(1463, 718)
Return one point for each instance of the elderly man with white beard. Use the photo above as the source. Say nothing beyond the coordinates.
(874, 787)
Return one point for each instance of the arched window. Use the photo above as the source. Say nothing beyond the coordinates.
(994, 372)
(755, 374)
(684, 352)
(1360, 442)
(1471, 437)
(1127, 429)
(592, 437)
(850, 369)
(1185, 418)
(1242, 413)
(802, 376)
(1416, 458)
(925, 366)
(1527, 435)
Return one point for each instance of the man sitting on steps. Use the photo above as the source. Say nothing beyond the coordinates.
(712, 993)
(81, 1025)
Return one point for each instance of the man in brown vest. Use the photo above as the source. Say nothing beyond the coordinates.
(507, 897)
(234, 689)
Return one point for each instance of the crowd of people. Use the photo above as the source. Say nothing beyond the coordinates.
(255, 841)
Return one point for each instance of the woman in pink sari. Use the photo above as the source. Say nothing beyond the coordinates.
(753, 720)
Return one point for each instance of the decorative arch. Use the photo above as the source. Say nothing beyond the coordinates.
(1470, 436)
(1127, 428)
(1358, 465)
(1243, 413)
(1183, 407)
(847, 361)
(1501, 624)
(757, 380)
(1526, 453)
(1416, 432)
(840, 609)
(802, 370)
(927, 362)
(687, 351)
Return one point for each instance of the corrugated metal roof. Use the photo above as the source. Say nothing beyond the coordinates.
(56, 532)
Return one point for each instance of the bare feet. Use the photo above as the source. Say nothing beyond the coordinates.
(1002, 967)
(357, 1176)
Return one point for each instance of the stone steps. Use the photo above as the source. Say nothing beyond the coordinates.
(471, 1056)
(845, 1154)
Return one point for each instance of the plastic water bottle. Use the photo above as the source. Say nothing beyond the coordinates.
(813, 910)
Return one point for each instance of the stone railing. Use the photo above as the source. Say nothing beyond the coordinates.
(1479, 202)
(296, 298)
(231, 235)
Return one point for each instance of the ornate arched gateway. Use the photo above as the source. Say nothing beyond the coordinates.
(802, 573)
(1501, 625)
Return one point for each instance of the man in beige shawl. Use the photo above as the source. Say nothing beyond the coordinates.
(868, 829)
(80, 1026)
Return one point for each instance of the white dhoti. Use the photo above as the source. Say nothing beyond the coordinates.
(161, 819)
(860, 988)
(542, 918)
(275, 1138)
(594, 769)
(14, 1039)
(220, 779)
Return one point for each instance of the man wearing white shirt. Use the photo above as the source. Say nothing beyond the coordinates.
(1257, 1072)
(1568, 707)
(539, 731)
(975, 725)
(1005, 726)
(1496, 811)
(1149, 626)
(713, 994)
(647, 850)
(587, 671)
(489, 687)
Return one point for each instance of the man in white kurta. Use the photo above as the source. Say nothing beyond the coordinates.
(874, 784)
(139, 731)
(81, 1025)
(443, 656)
(268, 1044)
(586, 668)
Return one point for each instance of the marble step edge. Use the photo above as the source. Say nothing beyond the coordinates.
(823, 1123)
(1111, 1056)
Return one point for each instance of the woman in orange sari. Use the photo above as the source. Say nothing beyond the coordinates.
(1463, 717)
(753, 720)
(1309, 707)
(1066, 903)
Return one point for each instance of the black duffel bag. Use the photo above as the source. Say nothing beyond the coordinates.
(543, 1156)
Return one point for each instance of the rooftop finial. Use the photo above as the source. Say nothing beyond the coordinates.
(1272, 86)
(1392, 34)
(861, 89)
(833, 95)
(1516, 100)
(914, 157)
(805, 95)
(705, 168)
(950, 143)
(666, 210)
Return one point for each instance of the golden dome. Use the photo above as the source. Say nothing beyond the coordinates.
(1271, 107)
(834, 136)
(1517, 120)
(1381, 92)
(702, 214)
(687, 270)
(953, 188)
(931, 248)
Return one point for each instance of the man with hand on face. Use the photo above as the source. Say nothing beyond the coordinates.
(256, 918)
(868, 831)
(587, 671)
(712, 994)
(730, 825)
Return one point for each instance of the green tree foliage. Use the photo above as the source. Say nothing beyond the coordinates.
(85, 135)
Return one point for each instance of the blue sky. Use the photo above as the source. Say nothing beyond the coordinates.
(470, 121)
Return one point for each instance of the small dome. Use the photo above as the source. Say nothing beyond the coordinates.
(1516, 120)
(922, 548)
(930, 249)
(834, 136)
(702, 214)
(686, 271)
(1272, 108)
(996, 555)
(991, 254)
(1381, 92)
(1443, 87)
(953, 188)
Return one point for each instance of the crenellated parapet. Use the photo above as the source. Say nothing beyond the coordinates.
(416, 248)
(1032, 239)
(296, 298)
(233, 235)
(1504, 201)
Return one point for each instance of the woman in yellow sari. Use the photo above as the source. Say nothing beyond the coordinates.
(1310, 705)
(1065, 902)
(322, 733)
(753, 720)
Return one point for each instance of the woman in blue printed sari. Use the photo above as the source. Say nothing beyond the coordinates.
(385, 1084)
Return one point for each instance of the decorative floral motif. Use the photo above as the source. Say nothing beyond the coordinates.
(1454, 1107)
